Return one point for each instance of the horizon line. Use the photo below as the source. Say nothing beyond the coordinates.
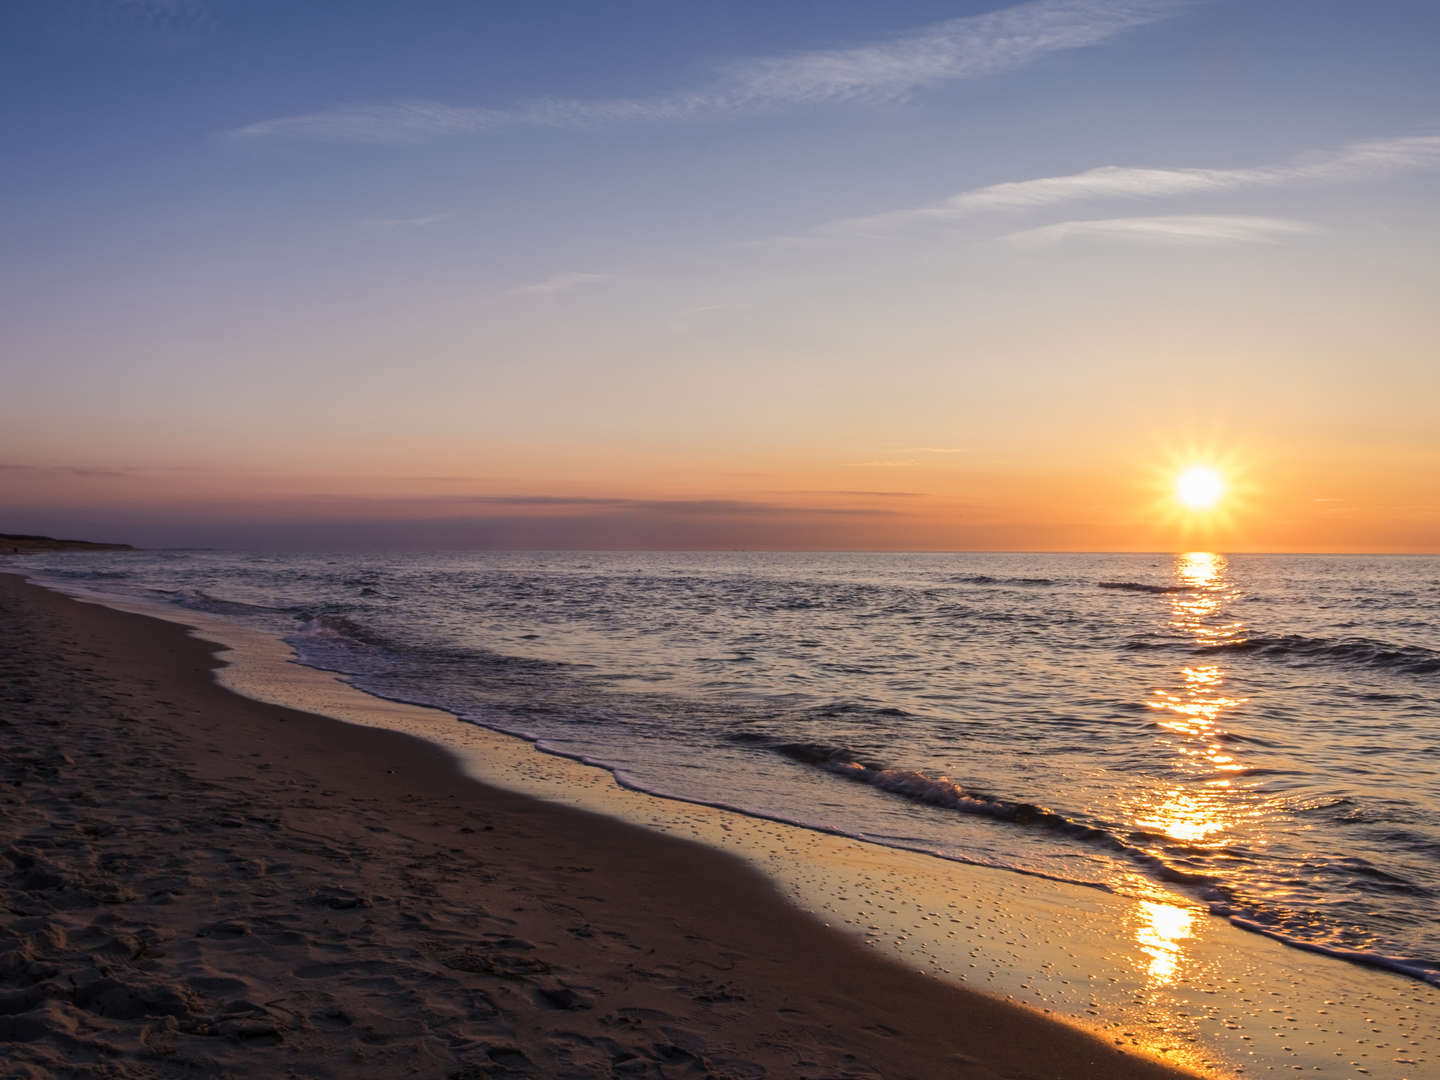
(751, 551)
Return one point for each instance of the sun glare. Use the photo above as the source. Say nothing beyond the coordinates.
(1199, 487)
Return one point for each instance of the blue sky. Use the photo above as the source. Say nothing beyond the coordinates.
(625, 249)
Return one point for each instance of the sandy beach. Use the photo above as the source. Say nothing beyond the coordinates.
(200, 884)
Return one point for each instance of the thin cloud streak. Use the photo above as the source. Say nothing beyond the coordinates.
(408, 222)
(706, 309)
(972, 47)
(907, 463)
(166, 14)
(1356, 161)
(589, 504)
(558, 283)
(1172, 229)
(859, 494)
(67, 470)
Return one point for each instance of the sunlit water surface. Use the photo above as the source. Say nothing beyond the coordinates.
(1259, 733)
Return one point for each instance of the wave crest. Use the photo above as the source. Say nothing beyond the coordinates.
(945, 793)
(199, 600)
(987, 579)
(338, 626)
(1140, 586)
(1364, 652)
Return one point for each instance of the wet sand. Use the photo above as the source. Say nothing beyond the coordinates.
(197, 883)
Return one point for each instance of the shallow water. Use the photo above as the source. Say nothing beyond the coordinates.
(1255, 732)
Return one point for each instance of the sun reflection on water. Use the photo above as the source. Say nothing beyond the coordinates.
(1202, 811)
(1201, 590)
(1194, 709)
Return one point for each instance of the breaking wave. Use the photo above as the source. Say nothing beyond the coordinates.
(89, 575)
(986, 579)
(1140, 586)
(1364, 652)
(200, 600)
(1291, 927)
(337, 627)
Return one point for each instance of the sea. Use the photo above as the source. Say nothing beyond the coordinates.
(1258, 733)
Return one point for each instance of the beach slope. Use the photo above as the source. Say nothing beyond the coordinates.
(195, 883)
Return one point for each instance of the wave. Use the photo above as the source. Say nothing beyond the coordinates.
(87, 575)
(1236, 737)
(192, 597)
(942, 792)
(337, 627)
(986, 579)
(1219, 896)
(1424, 970)
(389, 659)
(843, 707)
(1140, 586)
(1358, 651)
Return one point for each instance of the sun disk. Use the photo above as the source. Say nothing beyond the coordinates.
(1199, 487)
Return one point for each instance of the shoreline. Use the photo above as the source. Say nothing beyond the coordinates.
(1159, 977)
(357, 875)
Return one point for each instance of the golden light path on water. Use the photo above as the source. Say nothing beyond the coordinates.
(1206, 813)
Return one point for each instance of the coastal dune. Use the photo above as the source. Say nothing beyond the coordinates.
(196, 883)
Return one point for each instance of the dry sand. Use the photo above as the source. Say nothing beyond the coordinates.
(198, 884)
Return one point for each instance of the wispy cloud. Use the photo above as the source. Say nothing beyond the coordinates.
(1356, 161)
(909, 462)
(706, 309)
(1172, 229)
(602, 504)
(166, 15)
(857, 494)
(84, 471)
(407, 222)
(559, 283)
(971, 47)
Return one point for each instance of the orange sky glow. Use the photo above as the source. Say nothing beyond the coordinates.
(918, 498)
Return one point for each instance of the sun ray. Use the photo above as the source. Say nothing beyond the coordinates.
(1202, 491)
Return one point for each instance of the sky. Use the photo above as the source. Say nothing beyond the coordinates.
(798, 275)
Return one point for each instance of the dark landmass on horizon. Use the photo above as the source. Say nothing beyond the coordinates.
(16, 543)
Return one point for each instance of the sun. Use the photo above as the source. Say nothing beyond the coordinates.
(1201, 491)
(1199, 487)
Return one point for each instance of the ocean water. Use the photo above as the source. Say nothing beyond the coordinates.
(1259, 733)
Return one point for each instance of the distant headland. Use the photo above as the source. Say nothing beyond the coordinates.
(18, 543)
